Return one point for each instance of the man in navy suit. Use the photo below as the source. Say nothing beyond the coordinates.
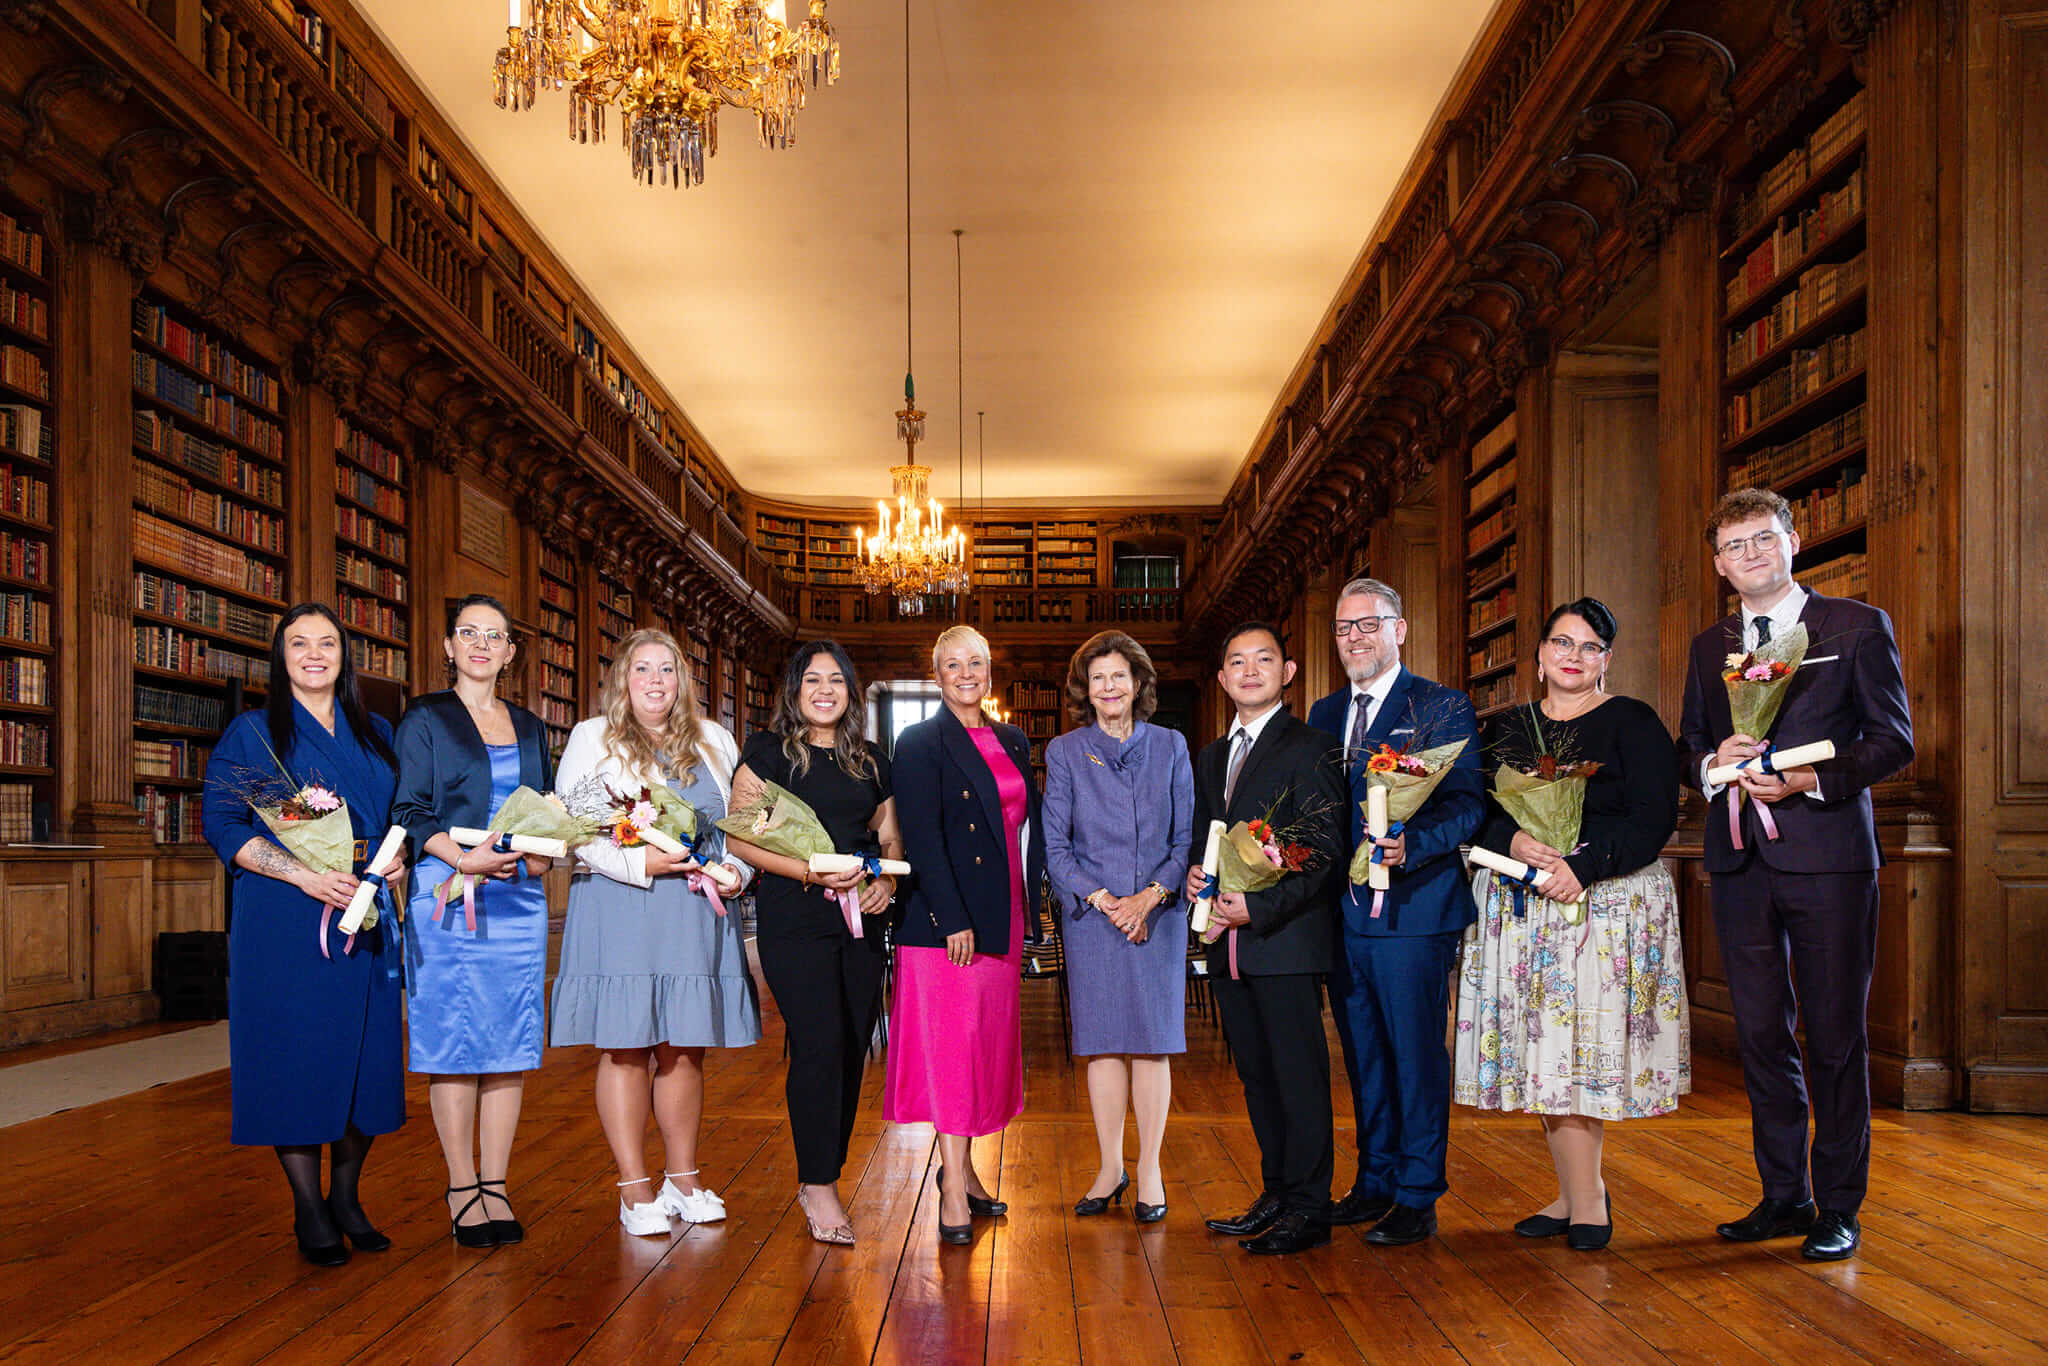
(1392, 985)
(1809, 895)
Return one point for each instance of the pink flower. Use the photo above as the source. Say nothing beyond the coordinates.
(317, 798)
(1272, 853)
(1757, 673)
(643, 814)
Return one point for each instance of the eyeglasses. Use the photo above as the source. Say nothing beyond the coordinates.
(490, 640)
(1584, 649)
(1764, 541)
(1365, 626)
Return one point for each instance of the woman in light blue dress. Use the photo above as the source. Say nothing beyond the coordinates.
(652, 968)
(476, 968)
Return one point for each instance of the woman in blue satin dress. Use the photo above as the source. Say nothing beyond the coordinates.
(476, 967)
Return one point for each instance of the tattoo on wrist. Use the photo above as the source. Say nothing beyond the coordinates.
(271, 861)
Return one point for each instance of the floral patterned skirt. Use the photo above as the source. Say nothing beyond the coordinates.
(1587, 1019)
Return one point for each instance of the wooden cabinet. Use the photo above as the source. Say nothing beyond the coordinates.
(45, 939)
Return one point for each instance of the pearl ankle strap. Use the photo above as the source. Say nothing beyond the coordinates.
(691, 1172)
(636, 1181)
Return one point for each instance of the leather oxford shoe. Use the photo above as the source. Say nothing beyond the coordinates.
(1360, 1207)
(1403, 1225)
(1293, 1233)
(1264, 1213)
(1835, 1235)
(1770, 1219)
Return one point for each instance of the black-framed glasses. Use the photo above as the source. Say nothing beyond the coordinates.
(1764, 541)
(490, 639)
(1584, 649)
(1365, 626)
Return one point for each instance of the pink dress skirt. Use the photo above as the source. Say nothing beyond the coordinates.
(956, 1058)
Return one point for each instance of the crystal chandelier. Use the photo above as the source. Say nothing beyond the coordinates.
(911, 554)
(667, 65)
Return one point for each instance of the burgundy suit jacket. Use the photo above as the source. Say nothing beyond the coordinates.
(1849, 690)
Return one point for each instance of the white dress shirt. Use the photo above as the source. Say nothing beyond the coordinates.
(1783, 616)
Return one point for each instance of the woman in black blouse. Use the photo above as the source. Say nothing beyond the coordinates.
(1580, 1023)
(826, 983)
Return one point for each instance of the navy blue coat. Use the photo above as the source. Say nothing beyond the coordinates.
(1430, 892)
(952, 821)
(444, 773)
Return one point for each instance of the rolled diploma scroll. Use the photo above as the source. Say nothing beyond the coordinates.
(1198, 919)
(720, 873)
(1509, 867)
(1798, 756)
(366, 891)
(469, 838)
(1378, 876)
(853, 863)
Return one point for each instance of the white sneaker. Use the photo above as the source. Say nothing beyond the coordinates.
(644, 1221)
(696, 1207)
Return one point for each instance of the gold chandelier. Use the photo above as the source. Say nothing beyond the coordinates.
(667, 65)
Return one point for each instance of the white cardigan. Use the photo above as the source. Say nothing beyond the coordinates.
(585, 756)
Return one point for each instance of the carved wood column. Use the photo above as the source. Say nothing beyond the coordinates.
(1688, 437)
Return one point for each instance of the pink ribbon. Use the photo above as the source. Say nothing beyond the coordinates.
(849, 905)
(468, 881)
(1233, 953)
(326, 919)
(1379, 903)
(706, 886)
(1763, 814)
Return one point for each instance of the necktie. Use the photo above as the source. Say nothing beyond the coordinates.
(1238, 749)
(1763, 631)
(1361, 721)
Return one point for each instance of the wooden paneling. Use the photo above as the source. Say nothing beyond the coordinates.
(189, 894)
(123, 927)
(44, 934)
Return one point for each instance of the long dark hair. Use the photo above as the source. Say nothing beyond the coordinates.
(279, 707)
(849, 736)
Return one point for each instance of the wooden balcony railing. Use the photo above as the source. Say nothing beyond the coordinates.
(283, 92)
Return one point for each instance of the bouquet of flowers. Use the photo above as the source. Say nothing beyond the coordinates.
(312, 822)
(1548, 801)
(1397, 783)
(1250, 857)
(783, 823)
(651, 815)
(527, 822)
(1757, 683)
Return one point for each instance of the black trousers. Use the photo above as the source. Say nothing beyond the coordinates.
(828, 991)
(1818, 931)
(1275, 1028)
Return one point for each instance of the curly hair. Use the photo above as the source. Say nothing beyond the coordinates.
(1740, 505)
(849, 737)
(678, 745)
(1102, 643)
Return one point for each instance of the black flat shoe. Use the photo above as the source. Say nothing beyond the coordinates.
(472, 1235)
(1592, 1237)
(1403, 1225)
(959, 1235)
(1835, 1236)
(504, 1230)
(1264, 1213)
(979, 1206)
(1360, 1207)
(1543, 1226)
(363, 1235)
(1770, 1219)
(1089, 1205)
(1148, 1214)
(1292, 1233)
(330, 1254)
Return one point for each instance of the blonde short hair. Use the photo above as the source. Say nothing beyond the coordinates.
(954, 635)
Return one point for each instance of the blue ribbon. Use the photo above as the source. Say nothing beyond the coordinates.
(1762, 762)
(1379, 855)
(1208, 892)
(1518, 887)
(871, 865)
(503, 844)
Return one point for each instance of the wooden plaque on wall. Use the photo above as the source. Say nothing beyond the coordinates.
(483, 529)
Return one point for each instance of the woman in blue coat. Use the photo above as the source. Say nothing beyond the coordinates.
(313, 1034)
(474, 987)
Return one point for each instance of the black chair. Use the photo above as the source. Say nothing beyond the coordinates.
(1046, 960)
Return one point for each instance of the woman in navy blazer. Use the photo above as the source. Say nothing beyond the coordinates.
(964, 799)
(478, 966)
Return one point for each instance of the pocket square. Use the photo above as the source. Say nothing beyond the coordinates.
(1402, 730)
(1818, 659)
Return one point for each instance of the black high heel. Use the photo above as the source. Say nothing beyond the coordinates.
(1148, 1214)
(504, 1230)
(366, 1238)
(1090, 1205)
(472, 1235)
(979, 1207)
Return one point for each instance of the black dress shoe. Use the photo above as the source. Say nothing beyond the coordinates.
(1090, 1205)
(959, 1235)
(1543, 1226)
(1835, 1236)
(1292, 1233)
(1770, 1219)
(1403, 1225)
(1360, 1206)
(480, 1235)
(1148, 1214)
(329, 1254)
(504, 1230)
(1264, 1213)
(979, 1206)
(356, 1227)
(1592, 1237)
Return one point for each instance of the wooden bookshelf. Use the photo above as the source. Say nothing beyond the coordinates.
(1795, 335)
(729, 690)
(830, 551)
(1493, 556)
(28, 472)
(781, 539)
(1040, 711)
(699, 665)
(1002, 554)
(555, 644)
(614, 619)
(759, 701)
(372, 590)
(210, 545)
(1068, 554)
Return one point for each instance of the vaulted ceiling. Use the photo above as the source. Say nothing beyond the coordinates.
(1160, 200)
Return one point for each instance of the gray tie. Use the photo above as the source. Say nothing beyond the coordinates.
(1361, 720)
(1238, 749)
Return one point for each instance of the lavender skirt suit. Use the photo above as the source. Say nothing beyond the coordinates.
(1118, 816)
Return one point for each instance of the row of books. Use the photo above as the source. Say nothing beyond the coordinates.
(1794, 239)
(1028, 695)
(370, 492)
(167, 647)
(1497, 607)
(1039, 725)
(557, 623)
(24, 495)
(168, 597)
(158, 488)
(1807, 372)
(168, 707)
(1785, 180)
(366, 450)
(25, 744)
(1492, 571)
(21, 244)
(24, 557)
(1846, 577)
(787, 525)
(224, 411)
(1843, 503)
(171, 758)
(312, 31)
(1493, 483)
(1494, 693)
(1775, 464)
(371, 533)
(205, 353)
(161, 436)
(558, 594)
(560, 653)
(23, 311)
(1491, 527)
(557, 564)
(556, 712)
(25, 679)
(17, 812)
(171, 817)
(1009, 579)
(560, 682)
(375, 657)
(353, 81)
(1497, 650)
(23, 432)
(24, 370)
(205, 558)
(371, 615)
(367, 573)
(1820, 289)
(25, 617)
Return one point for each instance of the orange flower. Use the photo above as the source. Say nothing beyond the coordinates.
(625, 833)
(1383, 762)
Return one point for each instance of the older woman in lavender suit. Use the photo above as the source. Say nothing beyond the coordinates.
(1119, 799)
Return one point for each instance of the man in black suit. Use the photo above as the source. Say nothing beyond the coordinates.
(1265, 964)
(1809, 894)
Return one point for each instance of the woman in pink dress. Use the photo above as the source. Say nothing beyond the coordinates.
(963, 797)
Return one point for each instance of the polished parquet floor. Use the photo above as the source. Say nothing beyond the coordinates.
(130, 1231)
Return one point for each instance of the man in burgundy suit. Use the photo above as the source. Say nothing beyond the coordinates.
(1809, 896)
